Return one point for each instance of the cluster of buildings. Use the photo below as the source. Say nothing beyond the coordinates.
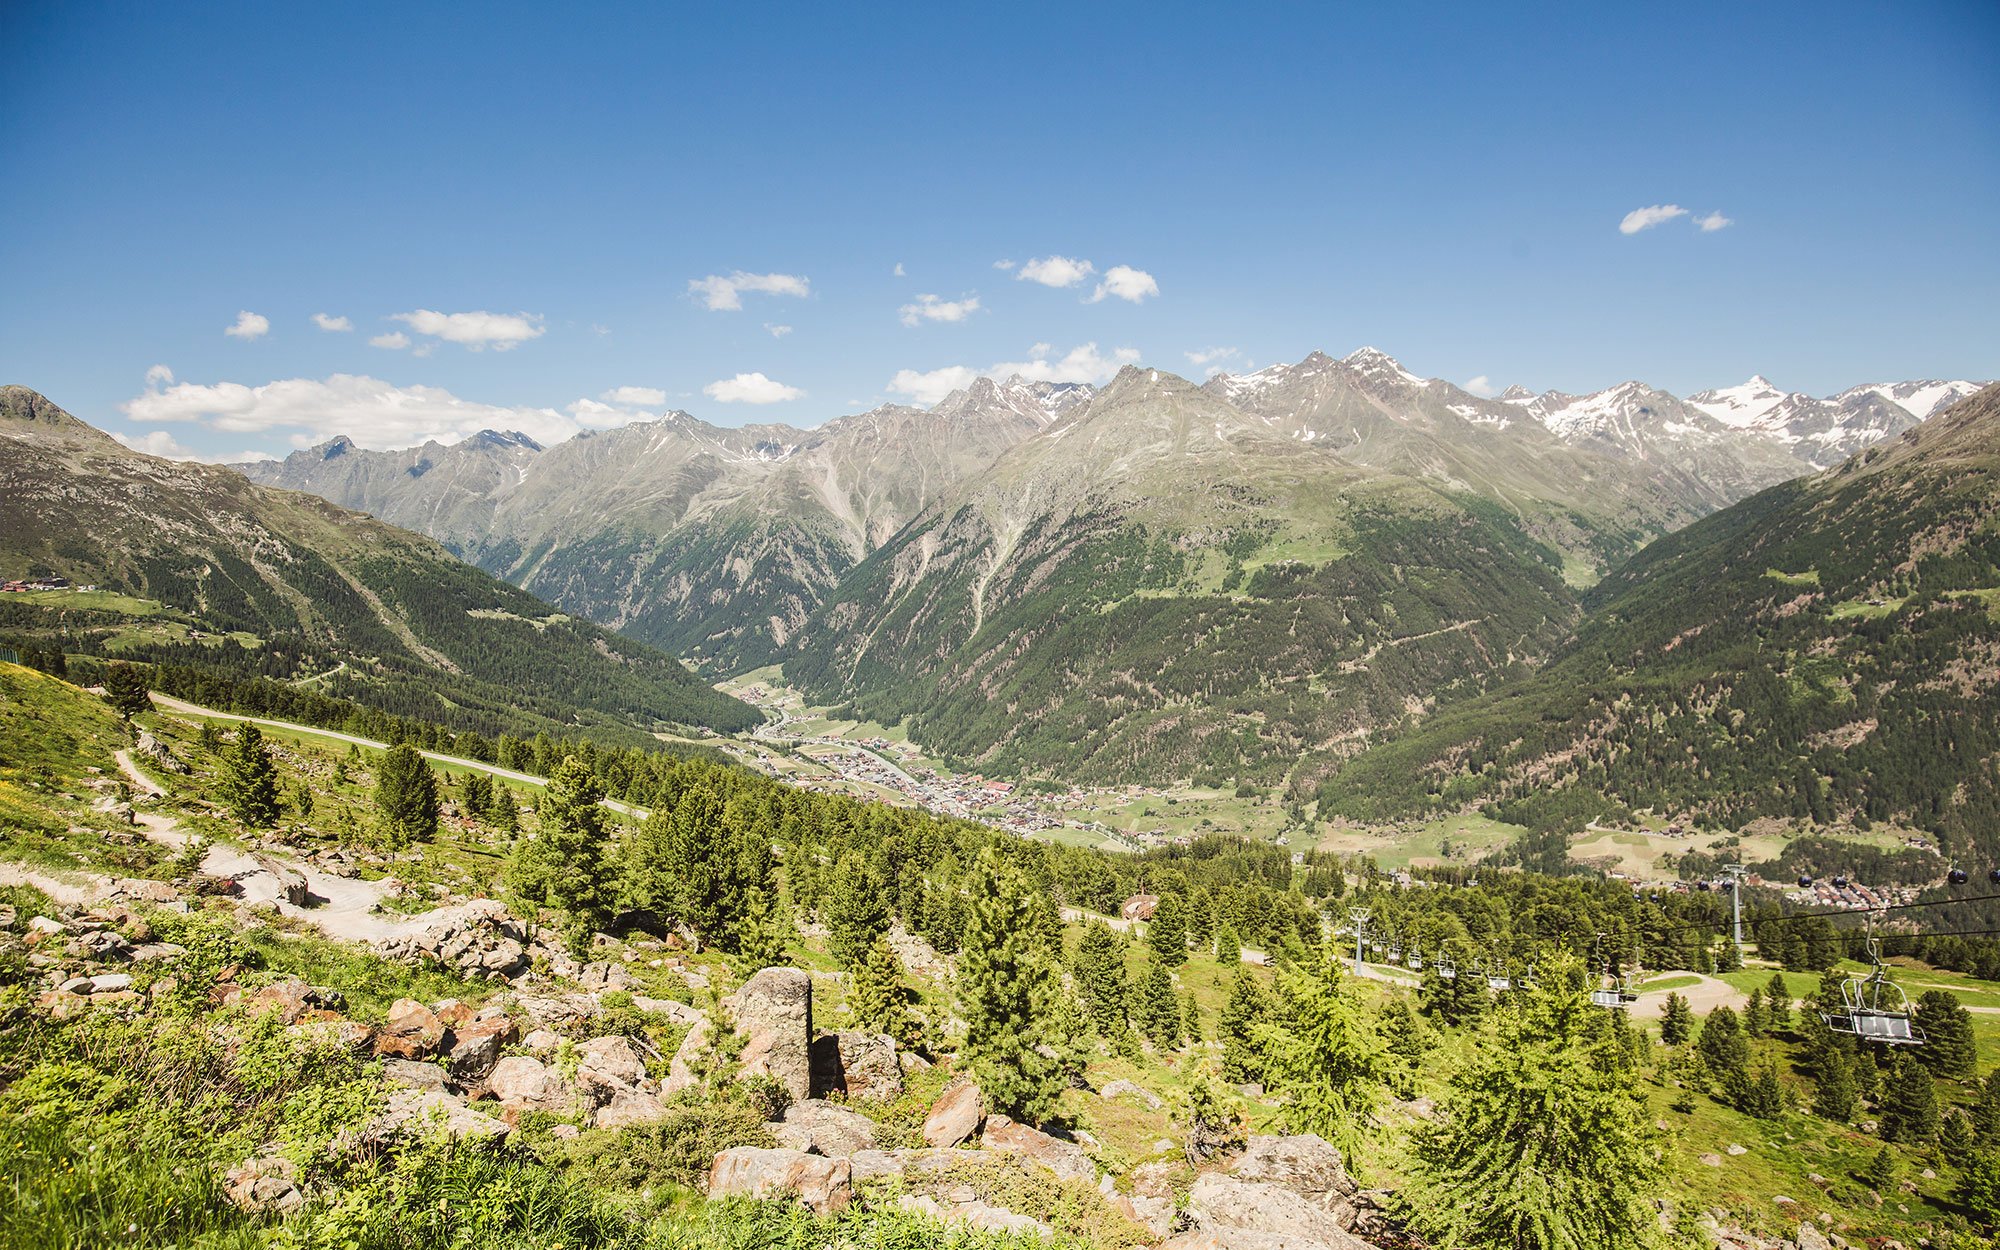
(23, 585)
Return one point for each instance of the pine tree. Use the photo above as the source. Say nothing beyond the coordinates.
(1676, 1021)
(855, 909)
(1228, 946)
(209, 736)
(1948, 1050)
(1320, 1048)
(252, 780)
(1191, 1017)
(562, 865)
(125, 690)
(1166, 932)
(406, 796)
(1756, 1019)
(1242, 1015)
(1778, 997)
(1883, 1170)
(683, 863)
(1979, 1189)
(1763, 1097)
(1724, 1052)
(478, 792)
(1210, 1128)
(1544, 1139)
(1986, 1116)
(1955, 1138)
(1407, 1041)
(1201, 920)
(1006, 984)
(764, 939)
(501, 812)
(1156, 1010)
(881, 999)
(1909, 1104)
(1838, 1096)
(1099, 966)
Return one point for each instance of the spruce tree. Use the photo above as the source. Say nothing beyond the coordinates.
(501, 813)
(1006, 985)
(406, 796)
(1099, 967)
(1676, 1021)
(1756, 1019)
(1955, 1138)
(252, 780)
(764, 939)
(1838, 1095)
(1986, 1116)
(1724, 1052)
(562, 865)
(1242, 1015)
(1909, 1103)
(855, 910)
(683, 864)
(1543, 1141)
(478, 793)
(882, 1000)
(1201, 919)
(1883, 1170)
(1778, 998)
(1948, 1050)
(1763, 1097)
(125, 690)
(1978, 1189)
(1166, 932)
(1228, 946)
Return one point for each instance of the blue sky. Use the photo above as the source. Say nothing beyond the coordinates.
(534, 189)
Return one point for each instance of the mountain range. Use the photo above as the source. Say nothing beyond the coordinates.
(261, 582)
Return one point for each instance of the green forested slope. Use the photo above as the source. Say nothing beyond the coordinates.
(1828, 650)
(259, 581)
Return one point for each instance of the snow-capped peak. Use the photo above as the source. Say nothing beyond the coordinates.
(1919, 399)
(1516, 394)
(1371, 362)
(1740, 406)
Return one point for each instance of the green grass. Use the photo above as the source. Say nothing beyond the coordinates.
(1670, 983)
(98, 600)
(1808, 578)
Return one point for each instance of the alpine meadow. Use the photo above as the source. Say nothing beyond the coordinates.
(662, 627)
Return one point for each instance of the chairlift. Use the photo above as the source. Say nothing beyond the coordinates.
(1840, 883)
(1446, 969)
(1805, 883)
(1497, 981)
(1416, 963)
(1958, 876)
(1874, 1008)
(1395, 952)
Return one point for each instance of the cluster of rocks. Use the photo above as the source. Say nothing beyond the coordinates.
(480, 938)
(73, 954)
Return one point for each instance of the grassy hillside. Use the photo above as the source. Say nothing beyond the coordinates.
(1827, 652)
(205, 568)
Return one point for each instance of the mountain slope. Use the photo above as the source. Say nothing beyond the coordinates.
(309, 587)
(1824, 432)
(713, 542)
(1161, 585)
(1826, 651)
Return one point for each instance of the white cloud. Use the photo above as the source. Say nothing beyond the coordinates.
(394, 341)
(931, 308)
(1057, 271)
(475, 330)
(899, 268)
(1209, 355)
(1713, 222)
(1126, 283)
(603, 416)
(726, 294)
(332, 325)
(159, 373)
(249, 325)
(1003, 265)
(1081, 364)
(1646, 218)
(167, 447)
(928, 388)
(1482, 386)
(777, 332)
(750, 388)
(372, 412)
(635, 396)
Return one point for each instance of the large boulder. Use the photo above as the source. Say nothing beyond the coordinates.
(773, 1014)
(819, 1127)
(682, 1070)
(1305, 1164)
(414, 1114)
(954, 1117)
(859, 1065)
(1225, 1205)
(1066, 1159)
(479, 938)
(413, 1031)
(612, 1063)
(825, 1185)
(474, 1047)
(524, 1084)
(627, 1107)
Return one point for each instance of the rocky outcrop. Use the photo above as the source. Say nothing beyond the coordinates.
(823, 1184)
(414, 1114)
(858, 1065)
(954, 1117)
(773, 1015)
(819, 1127)
(965, 1208)
(524, 1084)
(1306, 1165)
(264, 1186)
(1066, 1159)
(1283, 1193)
(413, 1031)
(479, 938)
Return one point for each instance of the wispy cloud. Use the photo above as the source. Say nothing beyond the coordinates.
(475, 331)
(1482, 386)
(1713, 222)
(725, 294)
(166, 447)
(750, 388)
(249, 325)
(331, 324)
(777, 331)
(394, 340)
(1126, 283)
(931, 308)
(1646, 218)
(372, 412)
(158, 374)
(635, 396)
(1210, 355)
(1003, 265)
(899, 268)
(1056, 271)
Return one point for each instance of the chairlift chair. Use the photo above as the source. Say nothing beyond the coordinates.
(1874, 1008)
(1416, 963)
(1446, 969)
